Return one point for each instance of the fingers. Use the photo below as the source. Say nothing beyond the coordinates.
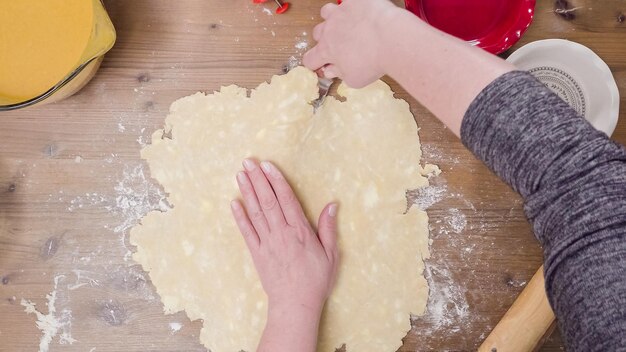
(245, 226)
(255, 213)
(327, 10)
(331, 71)
(327, 230)
(265, 195)
(314, 58)
(318, 30)
(287, 200)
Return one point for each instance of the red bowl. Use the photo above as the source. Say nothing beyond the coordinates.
(494, 25)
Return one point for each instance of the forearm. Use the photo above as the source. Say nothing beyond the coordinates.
(443, 73)
(290, 329)
(573, 180)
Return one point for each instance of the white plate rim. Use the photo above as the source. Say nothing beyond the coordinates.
(604, 72)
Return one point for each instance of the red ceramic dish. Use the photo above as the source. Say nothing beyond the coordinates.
(494, 25)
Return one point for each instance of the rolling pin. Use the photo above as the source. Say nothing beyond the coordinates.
(526, 323)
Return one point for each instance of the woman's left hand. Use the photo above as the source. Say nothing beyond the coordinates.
(296, 265)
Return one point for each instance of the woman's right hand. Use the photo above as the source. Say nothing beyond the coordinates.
(351, 41)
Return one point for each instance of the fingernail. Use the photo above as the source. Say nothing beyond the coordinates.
(241, 177)
(266, 166)
(332, 210)
(249, 164)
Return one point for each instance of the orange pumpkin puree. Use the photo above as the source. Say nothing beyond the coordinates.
(41, 42)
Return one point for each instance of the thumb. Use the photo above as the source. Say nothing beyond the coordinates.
(331, 71)
(327, 230)
(314, 58)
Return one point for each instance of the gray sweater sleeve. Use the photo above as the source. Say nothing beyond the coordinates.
(573, 181)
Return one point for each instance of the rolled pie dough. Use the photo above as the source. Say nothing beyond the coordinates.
(363, 153)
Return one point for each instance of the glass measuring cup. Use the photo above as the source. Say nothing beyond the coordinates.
(101, 38)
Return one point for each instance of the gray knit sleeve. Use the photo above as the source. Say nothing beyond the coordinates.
(573, 181)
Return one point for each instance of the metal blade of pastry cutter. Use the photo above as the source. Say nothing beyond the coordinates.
(323, 85)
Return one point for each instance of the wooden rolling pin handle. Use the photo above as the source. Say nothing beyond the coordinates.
(525, 324)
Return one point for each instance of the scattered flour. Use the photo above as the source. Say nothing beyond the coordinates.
(83, 278)
(428, 196)
(292, 62)
(516, 283)
(455, 221)
(88, 199)
(141, 142)
(448, 310)
(175, 327)
(447, 303)
(136, 196)
(50, 324)
(302, 44)
(438, 156)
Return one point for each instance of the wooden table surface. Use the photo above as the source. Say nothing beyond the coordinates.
(71, 181)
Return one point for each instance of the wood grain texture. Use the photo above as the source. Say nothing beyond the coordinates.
(66, 176)
(525, 324)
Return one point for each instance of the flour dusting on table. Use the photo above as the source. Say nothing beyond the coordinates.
(175, 327)
(454, 221)
(446, 302)
(136, 196)
(426, 197)
(449, 314)
(52, 323)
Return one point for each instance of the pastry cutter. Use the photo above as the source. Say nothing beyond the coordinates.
(323, 85)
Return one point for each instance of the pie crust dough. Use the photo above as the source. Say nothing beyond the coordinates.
(363, 153)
